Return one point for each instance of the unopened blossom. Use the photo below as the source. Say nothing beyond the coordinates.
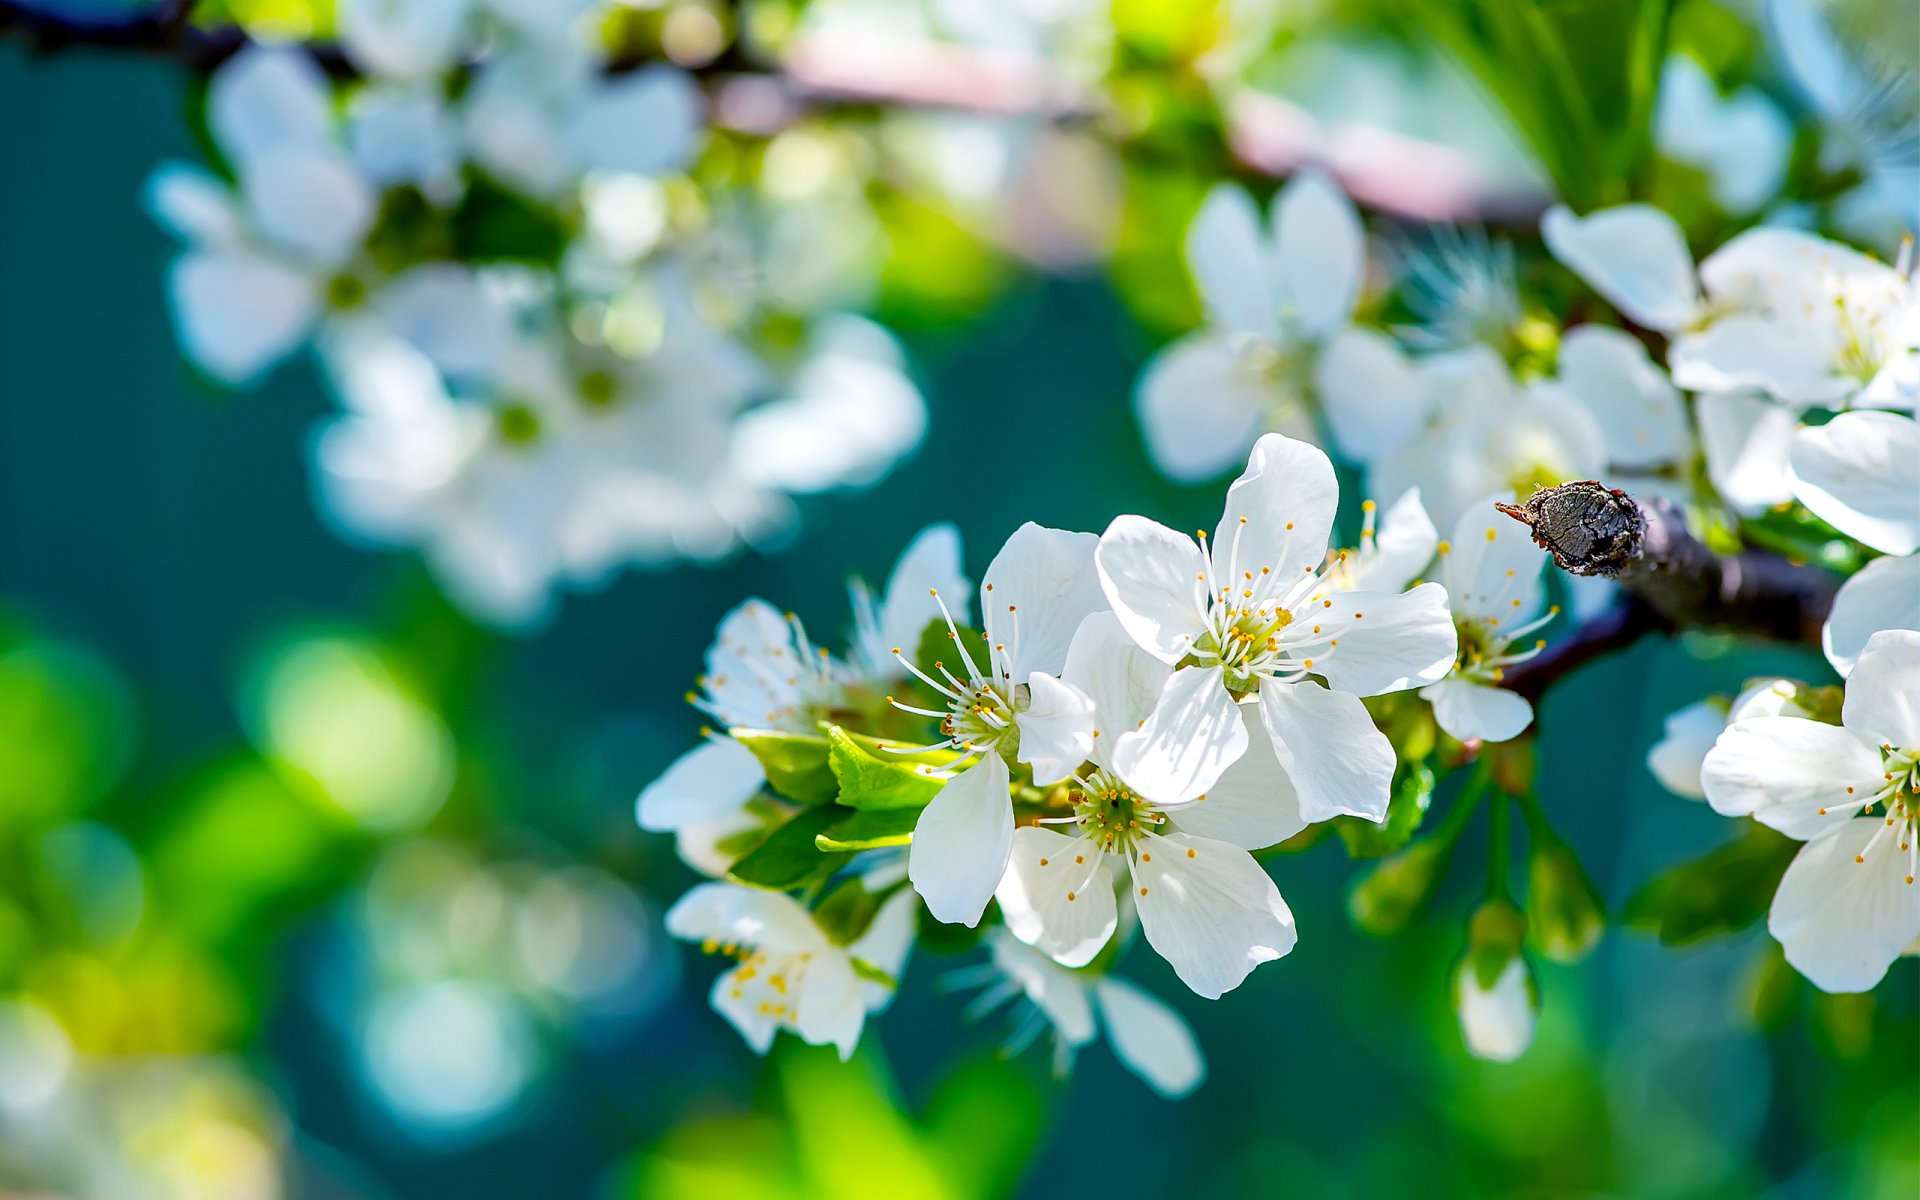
(265, 258)
(1740, 142)
(789, 974)
(1491, 570)
(1497, 1021)
(1274, 299)
(1848, 905)
(1205, 905)
(1688, 734)
(1147, 1036)
(1010, 708)
(1805, 320)
(1243, 617)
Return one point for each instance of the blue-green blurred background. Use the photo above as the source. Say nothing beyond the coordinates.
(167, 528)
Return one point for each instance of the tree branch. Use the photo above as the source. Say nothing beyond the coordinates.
(1645, 544)
(1266, 136)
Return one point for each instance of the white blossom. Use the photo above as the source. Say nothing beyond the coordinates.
(1497, 1021)
(1741, 142)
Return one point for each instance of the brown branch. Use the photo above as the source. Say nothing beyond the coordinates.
(1615, 629)
(1266, 137)
(1645, 544)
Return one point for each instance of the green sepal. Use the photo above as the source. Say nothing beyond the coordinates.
(789, 858)
(871, 973)
(1389, 896)
(849, 909)
(795, 763)
(1721, 892)
(870, 777)
(869, 830)
(1412, 793)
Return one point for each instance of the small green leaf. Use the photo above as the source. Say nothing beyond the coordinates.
(789, 857)
(1406, 809)
(873, 974)
(795, 763)
(872, 777)
(1721, 892)
(848, 911)
(870, 829)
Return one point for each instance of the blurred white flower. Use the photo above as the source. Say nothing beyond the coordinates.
(1689, 733)
(790, 975)
(1741, 142)
(1148, 1036)
(263, 259)
(1274, 300)
(1491, 570)
(1847, 906)
(1860, 473)
(1497, 1021)
(1640, 413)
(1745, 439)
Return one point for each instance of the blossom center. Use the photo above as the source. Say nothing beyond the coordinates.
(1113, 815)
(1898, 802)
(766, 982)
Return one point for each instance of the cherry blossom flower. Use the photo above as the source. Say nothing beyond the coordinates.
(1491, 570)
(1013, 707)
(1498, 1021)
(1242, 618)
(790, 975)
(1741, 142)
(1847, 906)
(1205, 905)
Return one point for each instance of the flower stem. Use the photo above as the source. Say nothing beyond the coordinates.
(1499, 820)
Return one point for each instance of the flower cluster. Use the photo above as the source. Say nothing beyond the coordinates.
(547, 364)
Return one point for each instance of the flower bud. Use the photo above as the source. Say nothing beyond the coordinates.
(1494, 991)
(1387, 897)
(1564, 911)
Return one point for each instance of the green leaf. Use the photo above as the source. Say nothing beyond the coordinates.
(495, 223)
(1406, 809)
(873, 974)
(871, 777)
(789, 858)
(869, 830)
(795, 763)
(1721, 892)
(848, 911)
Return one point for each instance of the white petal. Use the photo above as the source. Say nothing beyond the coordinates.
(1883, 692)
(1371, 643)
(1841, 922)
(930, 562)
(265, 100)
(1057, 895)
(406, 136)
(1155, 579)
(1227, 259)
(1201, 407)
(1746, 440)
(450, 315)
(1403, 547)
(1637, 406)
(1319, 253)
(1254, 804)
(1859, 474)
(752, 670)
(887, 942)
(403, 38)
(1194, 734)
(1784, 357)
(1490, 563)
(1056, 728)
(1790, 773)
(1689, 734)
(1153, 1040)
(757, 1027)
(1634, 255)
(1497, 1022)
(1884, 595)
(311, 202)
(1371, 393)
(238, 313)
(961, 841)
(1210, 911)
(727, 912)
(1279, 513)
(194, 205)
(645, 122)
(830, 1010)
(1121, 679)
(1328, 745)
(706, 782)
(1468, 710)
(1036, 592)
(1060, 995)
(1814, 58)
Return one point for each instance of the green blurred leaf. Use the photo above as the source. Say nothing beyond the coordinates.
(790, 857)
(870, 777)
(848, 911)
(495, 223)
(1721, 892)
(66, 730)
(938, 647)
(1406, 809)
(796, 763)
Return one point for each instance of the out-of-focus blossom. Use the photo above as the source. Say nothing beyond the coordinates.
(1848, 905)
(1741, 141)
(790, 975)
(1745, 439)
(1497, 1021)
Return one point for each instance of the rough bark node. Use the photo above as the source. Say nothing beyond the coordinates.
(1593, 529)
